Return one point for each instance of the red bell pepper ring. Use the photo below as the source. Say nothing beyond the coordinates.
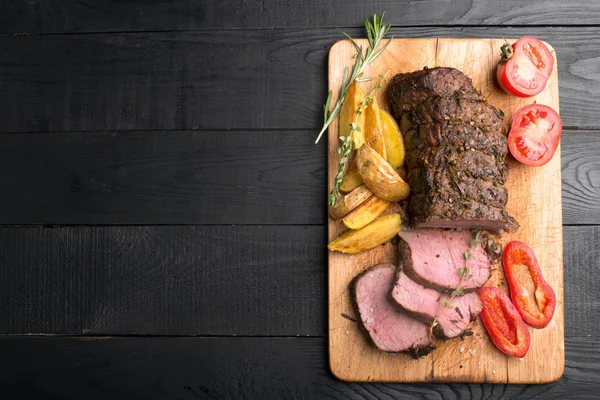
(532, 296)
(502, 321)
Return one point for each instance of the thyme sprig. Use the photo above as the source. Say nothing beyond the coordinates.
(348, 141)
(464, 274)
(376, 30)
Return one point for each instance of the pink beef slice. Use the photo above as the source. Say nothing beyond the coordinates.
(425, 304)
(432, 258)
(389, 328)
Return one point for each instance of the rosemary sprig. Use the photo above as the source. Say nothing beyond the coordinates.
(464, 274)
(376, 31)
(348, 142)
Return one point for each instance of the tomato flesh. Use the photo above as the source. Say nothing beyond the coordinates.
(534, 134)
(526, 71)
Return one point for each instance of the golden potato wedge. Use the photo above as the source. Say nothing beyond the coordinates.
(373, 131)
(365, 213)
(349, 202)
(372, 235)
(352, 179)
(394, 142)
(348, 113)
(379, 176)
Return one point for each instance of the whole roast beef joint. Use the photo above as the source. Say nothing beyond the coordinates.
(456, 148)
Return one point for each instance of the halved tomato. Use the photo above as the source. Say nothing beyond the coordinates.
(534, 134)
(525, 67)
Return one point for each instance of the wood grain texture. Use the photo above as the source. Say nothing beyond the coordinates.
(222, 280)
(206, 177)
(184, 80)
(19, 16)
(534, 200)
(156, 177)
(581, 177)
(224, 368)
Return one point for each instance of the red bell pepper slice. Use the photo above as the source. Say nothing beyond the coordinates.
(532, 296)
(502, 321)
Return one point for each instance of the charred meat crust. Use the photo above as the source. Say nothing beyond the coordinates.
(454, 138)
(475, 163)
(460, 108)
(492, 248)
(415, 351)
(459, 134)
(451, 183)
(426, 208)
(421, 351)
(408, 89)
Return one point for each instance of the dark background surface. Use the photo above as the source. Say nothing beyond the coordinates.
(162, 210)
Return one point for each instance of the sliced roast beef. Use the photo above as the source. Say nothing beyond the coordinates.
(410, 89)
(464, 136)
(450, 183)
(433, 257)
(427, 304)
(472, 162)
(389, 328)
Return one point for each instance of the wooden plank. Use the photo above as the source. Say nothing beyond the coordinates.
(208, 177)
(217, 280)
(185, 80)
(19, 16)
(158, 177)
(252, 368)
(580, 177)
(535, 201)
(210, 280)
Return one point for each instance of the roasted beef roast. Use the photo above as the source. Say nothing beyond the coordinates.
(456, 151)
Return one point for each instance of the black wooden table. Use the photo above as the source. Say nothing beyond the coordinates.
(162, 207)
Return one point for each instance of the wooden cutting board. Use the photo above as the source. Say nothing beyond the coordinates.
(534, 200)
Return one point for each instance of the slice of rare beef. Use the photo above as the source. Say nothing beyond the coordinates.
(389, 328)
(433, 257)
(425, 304)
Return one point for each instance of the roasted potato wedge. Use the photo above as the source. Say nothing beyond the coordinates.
(379, 176)
(372, 235)
(354, 95)
(394, 142)
(365, 213)
(352, 179)
(373, 131)
(349, 202)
